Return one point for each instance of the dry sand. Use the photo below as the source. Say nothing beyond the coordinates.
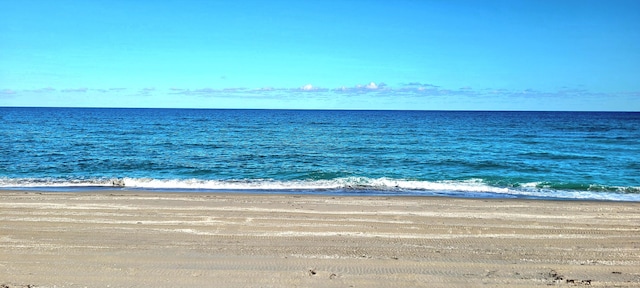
(145, 239)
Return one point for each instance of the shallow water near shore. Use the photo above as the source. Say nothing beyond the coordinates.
(540, 155)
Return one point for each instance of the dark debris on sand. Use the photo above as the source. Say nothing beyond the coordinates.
(9, 285)
(558, 278)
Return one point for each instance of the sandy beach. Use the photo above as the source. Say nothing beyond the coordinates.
(150, 239)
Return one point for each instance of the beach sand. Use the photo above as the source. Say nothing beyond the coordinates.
(150, 239)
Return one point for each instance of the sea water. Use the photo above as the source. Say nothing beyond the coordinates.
(548, 155)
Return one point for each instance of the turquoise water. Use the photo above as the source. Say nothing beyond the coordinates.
(550, 155)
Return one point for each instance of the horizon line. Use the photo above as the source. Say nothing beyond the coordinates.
(322, 109)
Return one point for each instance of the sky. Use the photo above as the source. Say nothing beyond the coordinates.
(580, 55)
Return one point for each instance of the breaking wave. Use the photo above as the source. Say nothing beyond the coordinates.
(474, 188)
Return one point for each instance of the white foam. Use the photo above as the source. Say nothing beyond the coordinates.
(228, 184)
(53, 182)
(349, 183)
(463, 188)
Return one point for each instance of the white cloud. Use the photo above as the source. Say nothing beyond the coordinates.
(78, 90)
(269, 88)
(421, 85)
(414, 91)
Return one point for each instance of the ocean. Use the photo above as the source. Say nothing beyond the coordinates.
(534, 155)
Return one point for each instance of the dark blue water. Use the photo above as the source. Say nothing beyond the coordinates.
(556, 155)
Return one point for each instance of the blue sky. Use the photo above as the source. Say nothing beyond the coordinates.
(402, 54)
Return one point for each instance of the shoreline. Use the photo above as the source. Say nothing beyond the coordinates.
(325, 192)
(167, 239)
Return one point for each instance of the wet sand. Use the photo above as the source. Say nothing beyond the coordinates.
(147, 239)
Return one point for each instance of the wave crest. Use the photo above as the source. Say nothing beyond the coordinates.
(476, 188)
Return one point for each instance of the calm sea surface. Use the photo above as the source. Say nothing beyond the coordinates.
(555, 155)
